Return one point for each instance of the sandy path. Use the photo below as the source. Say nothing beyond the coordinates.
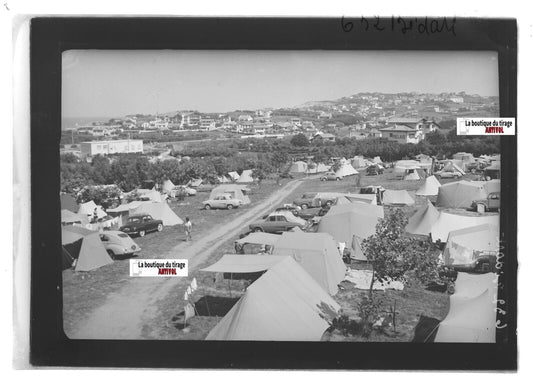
(123, 314)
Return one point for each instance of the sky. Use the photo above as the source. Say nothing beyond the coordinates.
(99, 83)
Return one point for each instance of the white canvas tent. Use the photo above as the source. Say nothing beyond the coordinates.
(472, 314)
(168, 186)
(88, 209)
(222, 179)
(239, 263)
(412, 175)
(233, 175)
(125, 208)
(317, 253)
(448, 222)
(298, 167)
(423, 219)
(465, 245)
(430, 187)
(397, 197)
(68, 217)
(285, 304)
(460, 194)
(159, 211)
(85, 246)
(236, 191)
(345, 170)
(246, 177)
(358, 162)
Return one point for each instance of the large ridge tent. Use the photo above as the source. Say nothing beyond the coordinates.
(472, 314)
(285, 304)
(68, 217)
(68, 202)
(348, 223)
(464, 246)
(168, 186)
(243, 263)
(452, 166)
(159, 211)
(298, 167)
(346, 169)
(85, 246)
(467, 158)
(423, 219)
(317, 253)
(448, 222)
(126, 207)
(236, 191)
(430, 187)
(397, 197)
(88, 209)
(246, 177)
(460, 194)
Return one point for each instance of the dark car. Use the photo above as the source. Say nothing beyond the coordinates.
(278, 222)
(374, 170)
(310, 213)
(491, 203)
(141, 224)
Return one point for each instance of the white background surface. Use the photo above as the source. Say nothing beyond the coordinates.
(13, 69)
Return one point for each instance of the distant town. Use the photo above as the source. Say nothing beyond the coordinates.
(402, 117)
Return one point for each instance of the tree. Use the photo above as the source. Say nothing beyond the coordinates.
(435, 138)
(395, 256)
(299, 140)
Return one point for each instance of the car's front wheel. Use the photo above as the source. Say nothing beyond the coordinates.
(111, 254)
(258, 229)
(230, 206)
(207, 207)
(338, 179)
(142, 233)
(304, 206)
(159, 227)
(329, 203)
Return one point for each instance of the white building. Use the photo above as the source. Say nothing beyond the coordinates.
(92, 148)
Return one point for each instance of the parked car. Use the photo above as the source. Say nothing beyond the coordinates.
(483, 264)
(330, 176)
(118, 243)
(449, 174)
(310, 213)
(374, 170)
(141, 225)
(278, 222)
(224, 201)
(315, 200)
(491, 203)
(188, 190)
(294, 209)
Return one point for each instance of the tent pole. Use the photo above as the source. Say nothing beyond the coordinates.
(229, 284)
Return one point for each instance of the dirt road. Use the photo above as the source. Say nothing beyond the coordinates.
(125, 312)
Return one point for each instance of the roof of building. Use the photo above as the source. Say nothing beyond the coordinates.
(398, 128)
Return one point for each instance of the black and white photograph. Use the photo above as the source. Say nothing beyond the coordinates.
(317, 196)
(294, 188)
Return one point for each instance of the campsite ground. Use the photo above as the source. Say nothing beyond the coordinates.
(107, 303)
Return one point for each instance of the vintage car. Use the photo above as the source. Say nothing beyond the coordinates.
(183, 188)
(315, 200)
(374, 170)
(224, 201)
(330, 176)
(141, 224)
(278, 222)
(491, 203)
(449, 174)
(118, 243)
(310, 213)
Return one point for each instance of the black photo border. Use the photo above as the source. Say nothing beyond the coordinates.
(50, 36)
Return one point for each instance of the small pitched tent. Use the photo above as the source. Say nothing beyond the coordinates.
(152, 195)
(285, 304)
(464, 246)
(246, 177)
(452, 166)
(448, 222)
(422, 221)
(85, 246)
(68, 217)
(377, 160)
(397, 197)
(236, 191)
(321, 167)
(88, 209)
(159, 211)
(358, 162)
(345, 170)
(298, 167)
(430, 187)
(317, 253)
(168, 186)
(222, 179)
(125, 208)
(460, 194)
(356, 250)
(233, 175)
(346, 221)
(68, 202)
(195, 183)
(472, 314)
(360, 197)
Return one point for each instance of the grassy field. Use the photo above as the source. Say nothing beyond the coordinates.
(83, 292)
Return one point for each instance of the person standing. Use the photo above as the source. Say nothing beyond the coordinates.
(188, 227)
